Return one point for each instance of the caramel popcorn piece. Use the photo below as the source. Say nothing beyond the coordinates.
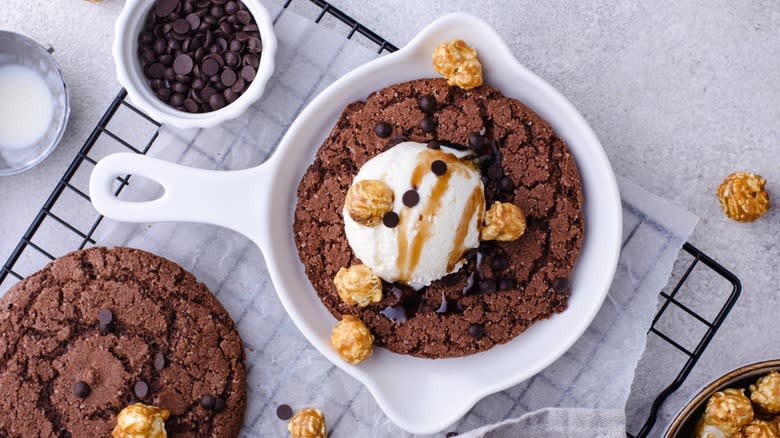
(728, 411)
(308, 423)
(358, 285)
(743, 197)
(503, 221)
(141, 421)
(766, 392)
(352, 340)
(458, 63)
(368, 200)
(758, 429)
(704, 430)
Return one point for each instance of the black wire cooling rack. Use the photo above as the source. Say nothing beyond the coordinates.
(70, 194)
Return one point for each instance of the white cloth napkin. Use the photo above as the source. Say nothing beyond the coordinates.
(594, 376)
(558, 423)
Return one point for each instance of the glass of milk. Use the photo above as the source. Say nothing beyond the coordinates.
(34, 104)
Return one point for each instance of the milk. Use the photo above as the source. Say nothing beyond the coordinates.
(26, 107)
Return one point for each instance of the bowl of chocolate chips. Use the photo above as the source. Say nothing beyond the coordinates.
(194, 63)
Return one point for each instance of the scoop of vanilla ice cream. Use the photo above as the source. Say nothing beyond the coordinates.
(433, 235)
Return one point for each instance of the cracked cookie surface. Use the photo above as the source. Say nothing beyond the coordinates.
(167, 331)
(546, 185)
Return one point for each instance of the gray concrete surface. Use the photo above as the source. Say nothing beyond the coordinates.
(679, 92)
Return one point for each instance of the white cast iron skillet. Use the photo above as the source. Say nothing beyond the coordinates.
(419, 395)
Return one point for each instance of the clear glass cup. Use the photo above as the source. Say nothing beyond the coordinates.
(16, 49)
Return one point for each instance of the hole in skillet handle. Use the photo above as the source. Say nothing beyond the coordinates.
(137, 189)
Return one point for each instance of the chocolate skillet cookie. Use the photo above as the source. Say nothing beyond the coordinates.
(504, 286)
(100, 329)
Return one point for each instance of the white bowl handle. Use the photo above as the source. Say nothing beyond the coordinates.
(231, 199)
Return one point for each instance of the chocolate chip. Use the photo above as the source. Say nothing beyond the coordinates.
(427, 103)
(147, 55)
(248, 73)
(216, 101)
(146, 38)
(506, 283)
(159, 361)
(560, 285)
(494, 171)
(217, 11)
(506, 185)
(219, 405)
(163, 8)
(244, 17)
(383, 129)
(391, 219)
(141, 389)
(239, 86)
(191, 105)
(230, 95)
(181, 26)
(235, 46)
(232, 59)
(231, 7)
(226, 29)
(193, 20)
(476, 331)
(221, 44)
(206, 93)
(439, 167)
(105, 317)
(427, 124)
(499, 263)
(284, 412)
(177, 100)
(228, 77)
(155, 71)
(487, 285)
(182, 65)
(160, 46)
(81, 389)
(411, 198)
(435, 145)
(476, 140)
(175, 45)
(251, 60)
(208, 401)
(254, 44)
(164, 94)
(210, 66)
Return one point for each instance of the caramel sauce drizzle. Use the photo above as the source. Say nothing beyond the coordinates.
(476, 203)
(409, 254)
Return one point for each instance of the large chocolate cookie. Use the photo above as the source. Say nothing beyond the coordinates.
(509, 285)
(133, 327)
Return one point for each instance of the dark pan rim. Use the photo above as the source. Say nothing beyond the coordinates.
(684, 417)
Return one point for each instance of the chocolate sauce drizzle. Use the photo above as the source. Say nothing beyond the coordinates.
(409, 300)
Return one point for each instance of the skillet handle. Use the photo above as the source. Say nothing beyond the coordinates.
(231, 199)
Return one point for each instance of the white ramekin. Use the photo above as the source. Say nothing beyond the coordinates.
(130, 73)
